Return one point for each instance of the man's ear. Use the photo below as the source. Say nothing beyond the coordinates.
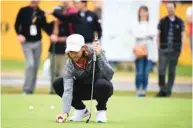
(68, 54)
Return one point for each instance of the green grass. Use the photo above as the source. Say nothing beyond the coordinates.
(123, 112)
(45, 90)
(184, 70)
(12, 65)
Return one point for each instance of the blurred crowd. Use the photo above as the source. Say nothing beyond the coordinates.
(74, 17)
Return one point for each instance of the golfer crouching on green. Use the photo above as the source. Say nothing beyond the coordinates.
(79, 83)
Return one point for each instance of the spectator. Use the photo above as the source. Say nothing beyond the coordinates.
(29, 21)
(189, 19)
(85, 22)
(58, 32)
(69, 9)
(143, 38)
(170, 38)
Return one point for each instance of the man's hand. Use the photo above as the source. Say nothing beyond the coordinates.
(21, 39)
(96, 47)
(61, 118)
(54, 38)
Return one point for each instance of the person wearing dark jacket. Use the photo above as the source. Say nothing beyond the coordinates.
(170, 41)
(85, 22)
(29, 22)
(58, 32)
(76, 82)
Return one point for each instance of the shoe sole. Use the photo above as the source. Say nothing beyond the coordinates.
(100, 122)
(87, 114)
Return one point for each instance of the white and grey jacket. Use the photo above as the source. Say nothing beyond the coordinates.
(72, 72)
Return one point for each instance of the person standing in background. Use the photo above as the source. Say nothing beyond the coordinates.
(69, 9)
(170, 39)
(85, 22)
(58, 32)
(143, 37)
(189, 19)
(29, 21)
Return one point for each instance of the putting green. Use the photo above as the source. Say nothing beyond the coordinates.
(123, 112)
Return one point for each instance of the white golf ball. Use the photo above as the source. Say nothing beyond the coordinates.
(52, 107)
(31, 107)
(60, 120)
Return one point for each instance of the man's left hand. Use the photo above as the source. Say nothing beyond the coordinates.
(54, 38)
(96, 47)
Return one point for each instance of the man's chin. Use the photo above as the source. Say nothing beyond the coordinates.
(171, 14)
(76, 60)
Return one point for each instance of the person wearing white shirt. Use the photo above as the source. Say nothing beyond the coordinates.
(143, 36)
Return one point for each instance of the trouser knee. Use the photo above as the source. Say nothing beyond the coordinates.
(58, 86)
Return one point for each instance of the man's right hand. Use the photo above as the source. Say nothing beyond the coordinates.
(61, 117)
(21, 39)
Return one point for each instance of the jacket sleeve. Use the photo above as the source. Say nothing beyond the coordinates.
(18, 25)
(48, 28)
(64, 18)
(160, 25)
(68, 86)
(68, 18)
(182, 26)
(104, 66)
(97, 26)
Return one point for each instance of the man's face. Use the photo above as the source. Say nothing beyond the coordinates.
(65, 3)
(76, 56)
(35, 3)
(79, 5)
(170, 8)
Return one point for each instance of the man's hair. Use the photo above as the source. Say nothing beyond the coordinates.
(84, 1)
(171, 2)
(85, 52)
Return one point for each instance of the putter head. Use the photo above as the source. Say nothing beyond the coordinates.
(87, 121)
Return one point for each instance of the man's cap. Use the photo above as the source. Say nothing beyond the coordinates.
(74, 43)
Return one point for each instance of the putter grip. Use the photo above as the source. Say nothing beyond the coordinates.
(94, 55)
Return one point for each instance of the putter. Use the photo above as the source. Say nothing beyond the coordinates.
(52, 67)
(94, 60)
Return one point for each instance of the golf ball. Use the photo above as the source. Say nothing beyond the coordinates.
(52, 107)
(31, 107)
(60, 120)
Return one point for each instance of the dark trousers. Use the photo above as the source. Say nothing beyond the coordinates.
(143, 66)
(102, 91)
(167, 60)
